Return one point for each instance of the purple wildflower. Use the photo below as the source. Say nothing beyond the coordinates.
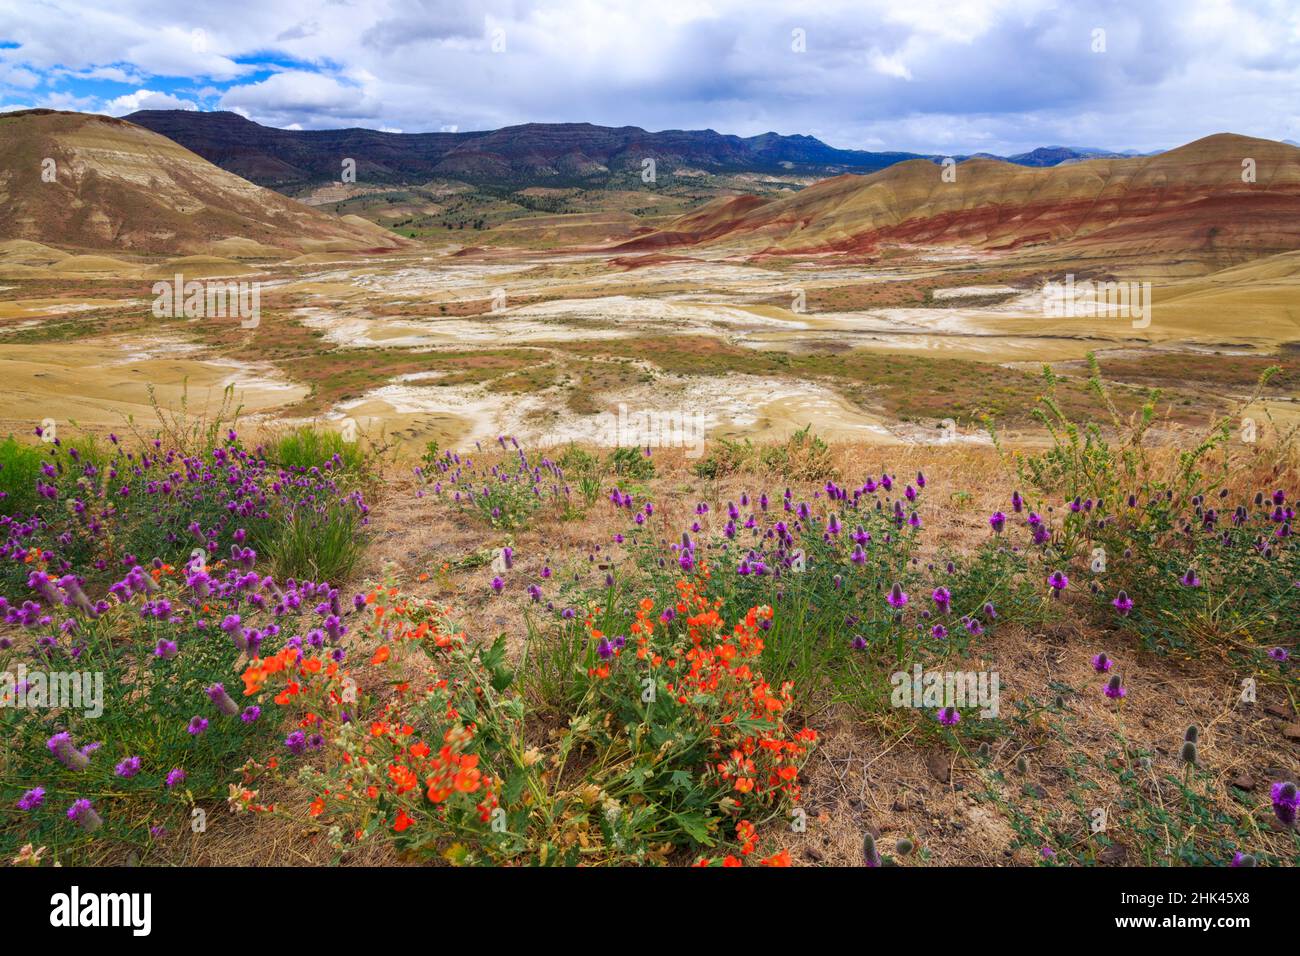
(1285, 801)
(217, 694)
(83, 814)
(62, 747)
(1123, 603)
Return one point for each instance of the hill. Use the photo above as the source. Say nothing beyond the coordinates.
(1189, 199)
(93, 182)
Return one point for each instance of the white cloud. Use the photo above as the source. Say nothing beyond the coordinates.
(926, 75)
(146, 100)
(297, 92)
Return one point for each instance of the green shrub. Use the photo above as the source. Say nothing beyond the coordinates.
(308, 447)
(20, 467)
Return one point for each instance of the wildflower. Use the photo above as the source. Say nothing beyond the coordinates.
(1047, 852)
(1114, 689)
(1188, 754)
(1123, 603)
(897, 597)
(949, 716)
(217, 694)
(296, 742)
(128, 768)
(498, 585)
(1242, 859)
(28, 856)
(62, 747)
(998, 521)
(1058, 582)
(870, 855)
(197, 725)
(942, 599)
(1279, 654)
(251, 713)
(175, 776)
(32, 799)
(1101, 663)
(1190, 580)
(165, 649)
(1285, 801)
(903, 846)
(938, 632)
(83, 814)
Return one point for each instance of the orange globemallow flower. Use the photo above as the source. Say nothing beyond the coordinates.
(778, 859)
(402, 821)
(381, 655)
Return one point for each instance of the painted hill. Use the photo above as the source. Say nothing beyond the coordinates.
(119, 186)
(1189, 199)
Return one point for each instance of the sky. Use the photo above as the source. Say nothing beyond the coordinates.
(997, 76)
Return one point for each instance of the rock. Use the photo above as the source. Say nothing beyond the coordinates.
(1278, 710)
(1114, 855)
(940, 766)
(814, 854)
(1242, 781)
(1291, 731)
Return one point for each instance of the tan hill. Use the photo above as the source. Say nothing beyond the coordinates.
(117, 186)
(1190, 199)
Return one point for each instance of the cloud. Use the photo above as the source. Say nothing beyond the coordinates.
(146, 100)
(297, 93)
(925, 75)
